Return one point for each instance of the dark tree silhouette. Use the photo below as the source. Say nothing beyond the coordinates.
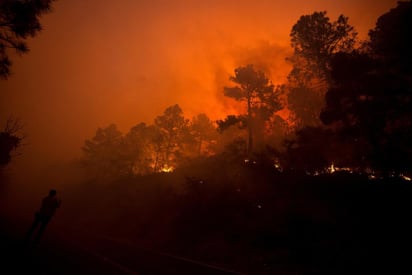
(231, 120)
(19, 20)
(173, 126)
(371, 98)
(104, 154)
(10, 140)
(258, 92)
(308, 150)
(315, 148)
(171, 141)
(315, 39)
(390, 39)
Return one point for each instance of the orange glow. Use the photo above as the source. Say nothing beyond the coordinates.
(406, 177)
(102, 62)
(167, 169)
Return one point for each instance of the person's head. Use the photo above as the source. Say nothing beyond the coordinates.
(52, 193)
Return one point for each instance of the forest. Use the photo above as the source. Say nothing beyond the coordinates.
(348, 101)
(324, 189)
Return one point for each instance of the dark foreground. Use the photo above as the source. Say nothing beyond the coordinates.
(65, 251)
(260, 224)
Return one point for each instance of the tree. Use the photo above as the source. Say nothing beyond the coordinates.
(371, 99)
(315, 148)
(306, 104)
(279, 130)
(156, 146)
(19, 20)
(204, 132)
(232, 131)
(146, 145)
(104, 154)
(371, 105)
(315, 39)
(260, 95)
(308, 150)
(232, 120)
(10, 140)
(390, 39)
(172, 125)
(140, 144)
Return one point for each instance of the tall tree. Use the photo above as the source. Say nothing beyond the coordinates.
(315, 39)
(172, 125)
(371, 97)
(19, 20)
(260, 95)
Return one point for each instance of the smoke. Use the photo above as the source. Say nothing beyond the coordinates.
(124, 62)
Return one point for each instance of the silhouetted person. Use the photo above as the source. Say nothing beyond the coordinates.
(42, 217)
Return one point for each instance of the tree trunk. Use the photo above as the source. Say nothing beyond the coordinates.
(249, 126)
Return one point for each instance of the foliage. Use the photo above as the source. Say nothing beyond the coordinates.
(371, 96)
(104, 154)
(390, 39)
(315, 39)
(19, 20)
(10, 140)
(204, 133)
(173, 127)
(367, 110)
(260, 95)
(143, 144)
(232, 120)
(171, 141)
(279, 130)
(306, 104)
(314, 149)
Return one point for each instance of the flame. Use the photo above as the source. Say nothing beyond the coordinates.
(277, 166)
(167, 169)
(371, 177)
(332, 169)
(405, 177)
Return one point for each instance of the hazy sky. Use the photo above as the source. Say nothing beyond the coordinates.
(100, 62)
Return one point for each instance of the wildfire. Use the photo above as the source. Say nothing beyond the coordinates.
(277, 166)
(405, 177)
(332, 169)
(167, 169)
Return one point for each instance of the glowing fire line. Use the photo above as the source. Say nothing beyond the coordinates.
(167, 169)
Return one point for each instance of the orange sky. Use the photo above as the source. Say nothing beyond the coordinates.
(123, 62)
